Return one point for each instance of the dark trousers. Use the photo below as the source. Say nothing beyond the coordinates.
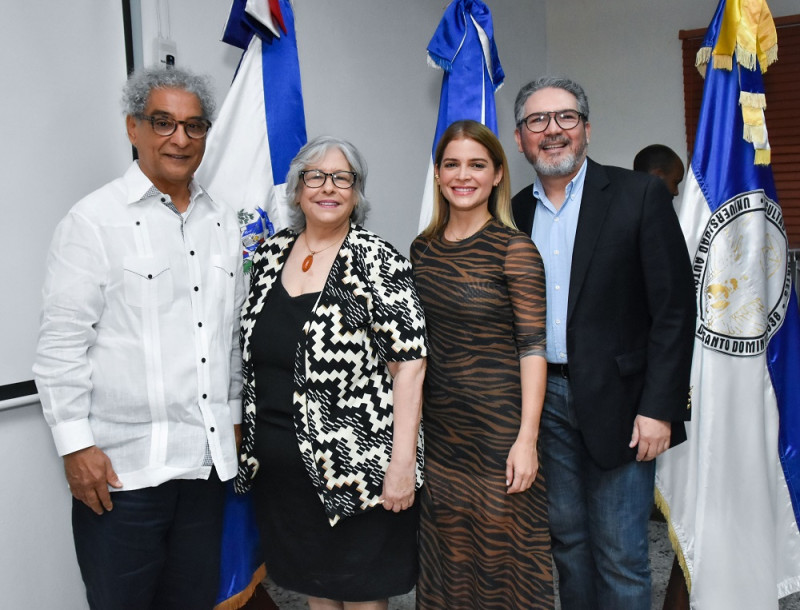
(158, 548)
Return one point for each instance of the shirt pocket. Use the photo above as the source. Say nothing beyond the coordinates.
(222, 277)
(148, 281)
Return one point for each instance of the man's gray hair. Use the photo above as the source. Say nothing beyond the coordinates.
(312, 153)
(142, 82)
(550, 82)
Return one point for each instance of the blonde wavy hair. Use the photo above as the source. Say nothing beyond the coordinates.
(500, 197)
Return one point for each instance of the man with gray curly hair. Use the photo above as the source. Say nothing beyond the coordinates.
(138, 365)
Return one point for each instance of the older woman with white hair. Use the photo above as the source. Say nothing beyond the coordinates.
(334, 351)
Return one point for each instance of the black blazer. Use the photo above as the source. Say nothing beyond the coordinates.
(630, 312)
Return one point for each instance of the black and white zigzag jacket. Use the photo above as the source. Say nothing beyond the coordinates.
(367, 314)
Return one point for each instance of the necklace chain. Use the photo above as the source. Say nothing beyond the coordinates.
(309, 260)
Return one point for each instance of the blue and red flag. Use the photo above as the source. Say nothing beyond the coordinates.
(261, 125)
(259, 130)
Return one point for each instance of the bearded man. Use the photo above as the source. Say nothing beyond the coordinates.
(620, 329)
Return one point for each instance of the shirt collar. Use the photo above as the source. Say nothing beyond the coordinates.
(140, 188)
(575, 183)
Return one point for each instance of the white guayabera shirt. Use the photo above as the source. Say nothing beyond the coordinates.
(138, 351)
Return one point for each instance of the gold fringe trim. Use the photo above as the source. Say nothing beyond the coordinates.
(754, 133)
(745, 58)
(753, 100)
(763, 156)
(702, 70)
(703, 56)
(701, 60)
(772, 57)
(723, 62)
(235, 602)
(662, 505)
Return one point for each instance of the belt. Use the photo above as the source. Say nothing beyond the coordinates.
(559, 368)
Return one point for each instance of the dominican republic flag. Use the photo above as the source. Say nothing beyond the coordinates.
(731, 494)
(261, 125)
(260, 129)
(463, 46)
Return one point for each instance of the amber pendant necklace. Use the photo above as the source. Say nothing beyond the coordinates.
(309, 260)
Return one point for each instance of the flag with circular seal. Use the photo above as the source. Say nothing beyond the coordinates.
(731, 494)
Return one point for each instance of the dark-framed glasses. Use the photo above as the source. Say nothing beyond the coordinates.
(537, 122)
(165, 126)
(315, 178)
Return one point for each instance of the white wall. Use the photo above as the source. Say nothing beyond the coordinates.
(61, 69)
(38, 569)
(62, 65)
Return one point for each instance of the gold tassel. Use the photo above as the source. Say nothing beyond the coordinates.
(772, 57)
(723, 62)
(701, 60)
(754, 133)
(767, 38)
(745, 58)
(703, 56)
(752, 116)
(763, 156)
(235, 602)
(753, 100)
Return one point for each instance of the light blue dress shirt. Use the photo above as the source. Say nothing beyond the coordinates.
(554, 235)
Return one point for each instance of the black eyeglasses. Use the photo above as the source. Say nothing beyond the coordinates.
(315, 178)
(537, 122)
(165, 126)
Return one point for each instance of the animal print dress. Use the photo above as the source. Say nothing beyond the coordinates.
(484, 302)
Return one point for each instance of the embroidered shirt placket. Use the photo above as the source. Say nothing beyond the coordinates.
(152, 333)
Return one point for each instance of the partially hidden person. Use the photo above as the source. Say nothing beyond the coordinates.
(662, 162)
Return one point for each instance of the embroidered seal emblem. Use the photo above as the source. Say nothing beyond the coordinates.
(741, 275)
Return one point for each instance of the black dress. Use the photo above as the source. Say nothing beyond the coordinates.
(369, 556)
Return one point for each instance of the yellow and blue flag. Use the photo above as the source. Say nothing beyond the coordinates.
(732, 492)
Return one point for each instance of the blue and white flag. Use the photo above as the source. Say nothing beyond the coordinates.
(260, 128)
(261, 125)
(463, 46)
(732, 492)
